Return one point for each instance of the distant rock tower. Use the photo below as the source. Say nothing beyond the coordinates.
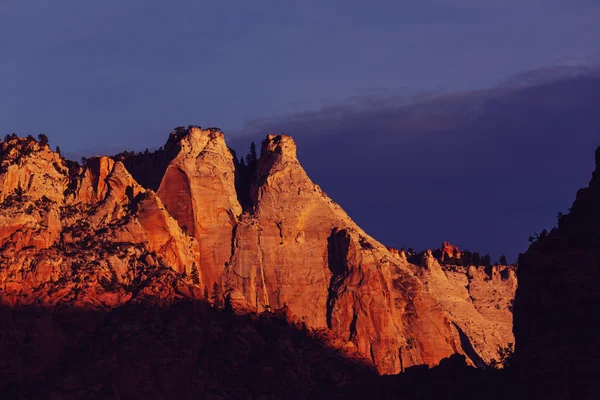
(449, 251)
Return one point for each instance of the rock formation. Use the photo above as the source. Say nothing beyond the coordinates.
(449, 251)
(478, 301)
(80, 236)
(556, 305)
(158, 227)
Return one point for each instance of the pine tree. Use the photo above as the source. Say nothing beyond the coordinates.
(503, 260)
(58, 150)
(206, 296)
(43, 139)
(476, 259)
(252, 159)
(195, 274)
(486, 260)
(216, 295)
(467, 257)
(253, 155)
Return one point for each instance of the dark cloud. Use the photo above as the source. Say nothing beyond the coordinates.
(482, 169)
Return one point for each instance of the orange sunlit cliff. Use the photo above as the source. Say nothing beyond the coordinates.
(185, 223)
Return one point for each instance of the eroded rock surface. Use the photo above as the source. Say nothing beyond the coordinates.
(478, 301)
(84, 236)
(99, 237)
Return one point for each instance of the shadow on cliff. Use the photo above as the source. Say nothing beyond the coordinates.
(184, 350)
(451, 379)
(191, 350)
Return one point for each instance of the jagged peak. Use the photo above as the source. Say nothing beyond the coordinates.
(277, 151)
(279, 145)
(14, 149)
(196, 138)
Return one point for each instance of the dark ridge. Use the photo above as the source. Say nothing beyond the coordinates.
(181, 351)
(557, 300)
(451, 379)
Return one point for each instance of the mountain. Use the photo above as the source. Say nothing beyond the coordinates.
(127, 248)
(557, 302)
(464, 162)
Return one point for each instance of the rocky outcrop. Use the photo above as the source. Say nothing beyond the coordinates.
(478, 301)
(83, 236)
(449, 251)
(300, 249)
(198, 189)
(557, 345)
(103, 238)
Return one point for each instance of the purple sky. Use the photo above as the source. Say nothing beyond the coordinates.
(103, 76)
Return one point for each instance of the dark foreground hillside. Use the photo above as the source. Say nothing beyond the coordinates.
(182, 351)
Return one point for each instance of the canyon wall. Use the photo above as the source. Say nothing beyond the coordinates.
(158, 227)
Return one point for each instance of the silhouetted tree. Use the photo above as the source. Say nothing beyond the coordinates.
(476, 259)
(467, 257)
(502, 260)
(519, 259)
(195, 274)
(534, 237)
(216, 295)
(58, 150)
(83, 160)
(206, 296)
(228, 307)
(506, 357)
(486, 260)
(30, 138)
(252, 157)
(43, 139)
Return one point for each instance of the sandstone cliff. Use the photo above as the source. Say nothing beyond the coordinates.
(168, 225)
(478, 301)
(81, 235)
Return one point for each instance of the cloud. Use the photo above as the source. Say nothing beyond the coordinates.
(483, 168)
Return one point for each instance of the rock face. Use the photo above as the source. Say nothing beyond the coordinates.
(479, 303)
(99, 237)
(300, 249)
(450, 251)
(556, 306)
(198, 189)
(81, 236)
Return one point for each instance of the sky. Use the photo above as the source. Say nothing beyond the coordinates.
(103, 76)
